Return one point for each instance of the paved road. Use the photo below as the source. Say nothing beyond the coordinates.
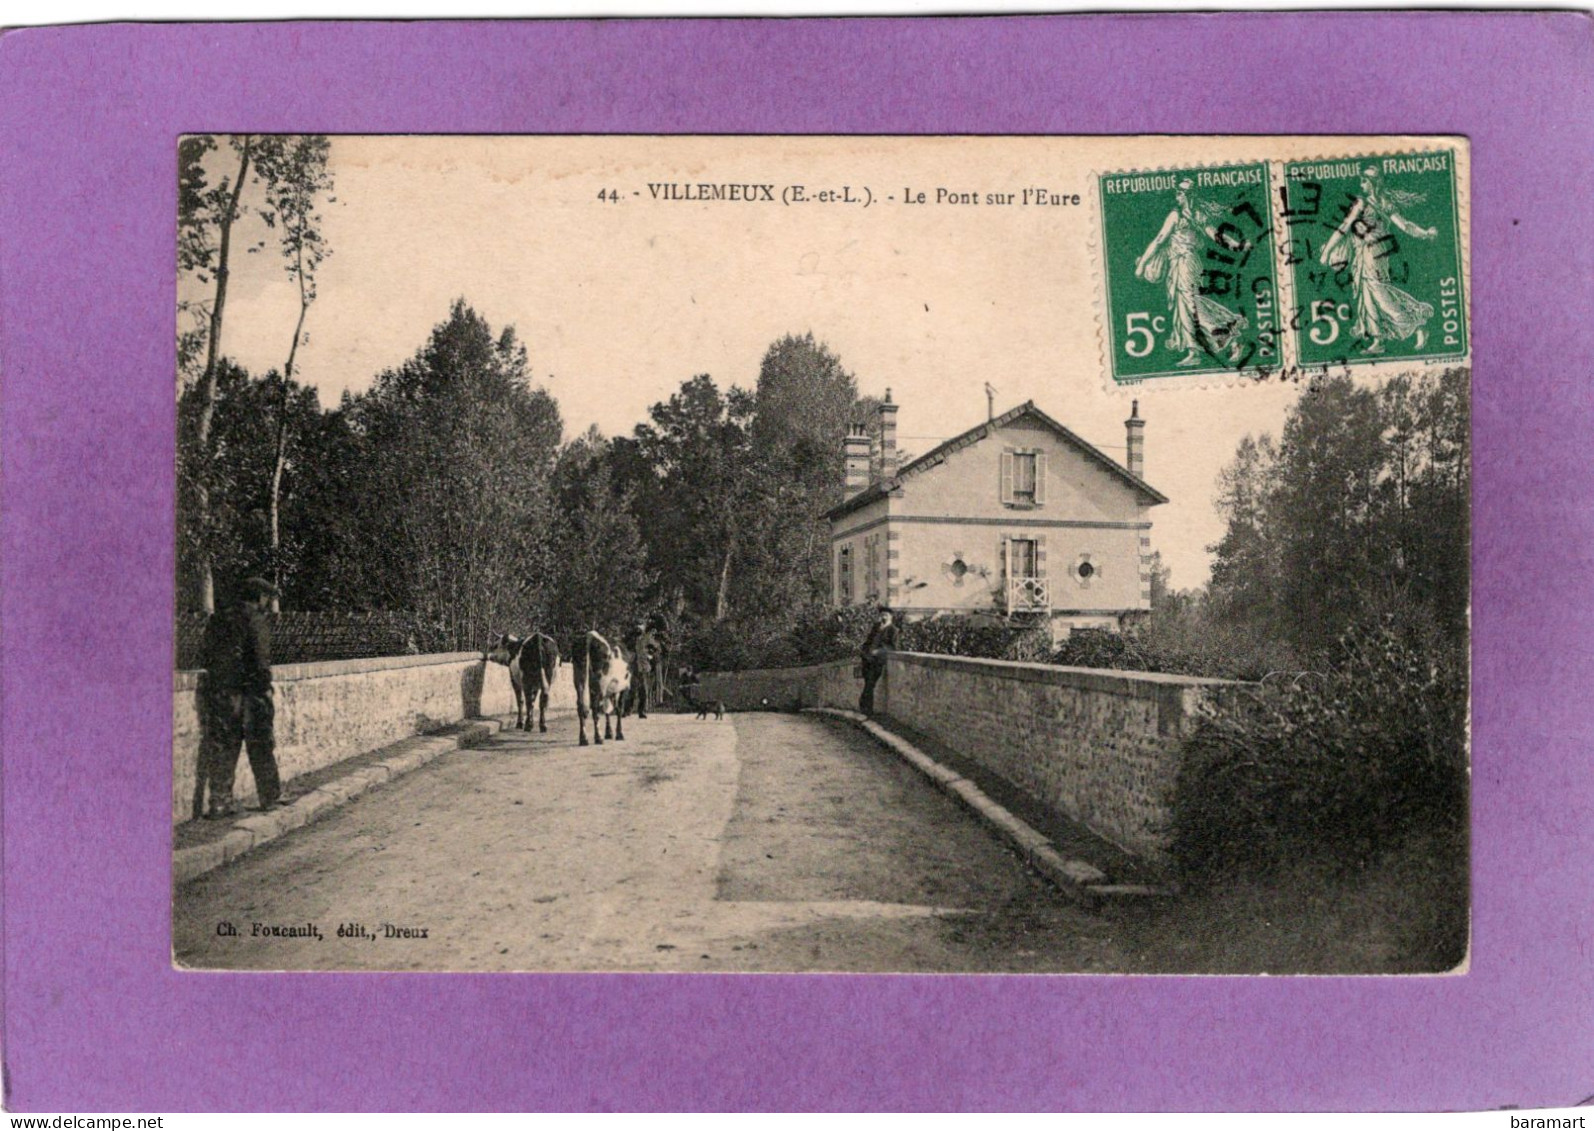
(760, 842)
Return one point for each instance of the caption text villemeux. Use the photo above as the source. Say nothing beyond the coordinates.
(862, 196)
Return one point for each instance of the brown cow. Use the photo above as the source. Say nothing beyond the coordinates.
(533, 663)
(602, 672)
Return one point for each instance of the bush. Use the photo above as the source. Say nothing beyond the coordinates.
(1216, 652)
(822, 634)
(1344, 764)
(977, 636)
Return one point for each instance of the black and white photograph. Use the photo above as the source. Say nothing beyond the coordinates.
(745, 554)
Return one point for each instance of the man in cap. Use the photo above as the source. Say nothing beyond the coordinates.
(239, 707)
(882, 639)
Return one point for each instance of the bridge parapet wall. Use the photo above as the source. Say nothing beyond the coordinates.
(1100, 747)
(783, 689)
(327, 712)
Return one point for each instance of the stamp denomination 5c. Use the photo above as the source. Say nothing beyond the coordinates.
(1373, 245)
(1191, 283)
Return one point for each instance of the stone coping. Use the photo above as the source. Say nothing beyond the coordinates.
(284, 673)
(1110, 680)
(785, 673)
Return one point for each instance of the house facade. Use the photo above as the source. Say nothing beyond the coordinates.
(1017, 517)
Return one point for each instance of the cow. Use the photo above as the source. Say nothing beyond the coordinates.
(533, 662)
(602, 672)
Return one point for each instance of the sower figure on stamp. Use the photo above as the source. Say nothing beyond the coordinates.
(240, 708)
(882, 639)
(1196, 322)
(1363, 242)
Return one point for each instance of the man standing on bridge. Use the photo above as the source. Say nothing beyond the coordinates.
(240, 708)
(882, 639)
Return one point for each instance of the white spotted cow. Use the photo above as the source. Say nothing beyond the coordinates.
(533, 663)
(602, 673)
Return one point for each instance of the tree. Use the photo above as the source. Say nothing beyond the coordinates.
(296, 177)
(208, 212)
(711, 483)
(203, 206)
(806, 403)
(806, 399)
(1244, 585)
(732, 500)
(1159, 575)
(228, 538)
(602, 559)
(1334, 544)
(455, 512)
(1361, 506)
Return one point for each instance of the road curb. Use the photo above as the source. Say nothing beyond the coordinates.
(1079, 880)
(263, 828)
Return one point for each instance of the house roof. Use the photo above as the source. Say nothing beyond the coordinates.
(937, 455)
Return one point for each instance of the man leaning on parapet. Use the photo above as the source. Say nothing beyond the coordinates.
(882, 638)
(235, 701)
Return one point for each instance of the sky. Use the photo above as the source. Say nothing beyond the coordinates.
(620, 301)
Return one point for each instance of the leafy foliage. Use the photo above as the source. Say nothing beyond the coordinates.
(455, 455)
(290, 174)
(710, 483)
(232, 532)
(1343, 764)
(1363, 500)
(1340, 583)
(601, 561)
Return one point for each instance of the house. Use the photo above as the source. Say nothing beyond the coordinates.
(1017, 516)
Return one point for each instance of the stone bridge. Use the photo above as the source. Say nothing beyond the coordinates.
(1100, 748)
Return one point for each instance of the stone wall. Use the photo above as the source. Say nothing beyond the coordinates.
(327, 712)
(1100, 747)
(786, 689)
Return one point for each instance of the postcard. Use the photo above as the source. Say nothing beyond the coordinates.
(796, 564)
(999, 554)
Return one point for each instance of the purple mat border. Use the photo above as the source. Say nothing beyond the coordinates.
(95, 1019)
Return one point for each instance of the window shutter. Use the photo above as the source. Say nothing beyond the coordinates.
(1040, 549)
(1040, 478)
(1002, 554)
(1007, 476)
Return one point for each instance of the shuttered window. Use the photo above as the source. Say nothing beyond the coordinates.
(1023, 482)
(844, 575)
(1023, 477)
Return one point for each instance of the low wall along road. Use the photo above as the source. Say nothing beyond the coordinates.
(327, 712)
(1100, 747)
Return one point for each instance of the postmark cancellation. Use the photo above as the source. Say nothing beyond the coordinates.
(1285, 266)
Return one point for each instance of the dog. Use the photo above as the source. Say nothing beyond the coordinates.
(715, 705)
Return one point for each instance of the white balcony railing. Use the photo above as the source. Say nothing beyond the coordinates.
(1028, 595)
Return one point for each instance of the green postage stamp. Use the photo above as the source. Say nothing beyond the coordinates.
(1191, 282)
(1369, 249)
(1373, 245)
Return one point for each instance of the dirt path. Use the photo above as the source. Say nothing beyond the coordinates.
(763, 842)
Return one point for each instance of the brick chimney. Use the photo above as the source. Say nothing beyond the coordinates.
(1136, 428)
(856, 447)
(888, 437)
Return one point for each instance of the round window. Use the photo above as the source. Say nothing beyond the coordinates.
(959, 568)
(1086, 570)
